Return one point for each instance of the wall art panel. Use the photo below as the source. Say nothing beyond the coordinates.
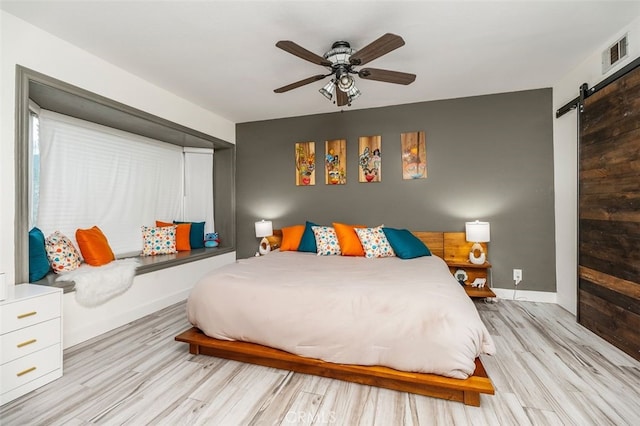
(336, 162)
(370, 159)
(305, 163)
(414, 155)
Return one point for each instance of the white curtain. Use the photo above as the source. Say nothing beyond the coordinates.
(95, 175)
(198, 178)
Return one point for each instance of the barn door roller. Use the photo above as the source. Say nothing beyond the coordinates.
(585, 91)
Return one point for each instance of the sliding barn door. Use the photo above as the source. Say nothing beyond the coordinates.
(609, 214)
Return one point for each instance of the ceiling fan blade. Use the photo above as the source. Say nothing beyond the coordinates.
(301, 52)
(387, 76)
(341, 98)
(299, 83)
(377, 48)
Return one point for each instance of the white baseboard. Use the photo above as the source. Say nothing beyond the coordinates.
(526, 295)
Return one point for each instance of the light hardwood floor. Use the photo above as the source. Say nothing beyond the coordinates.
(548, 371)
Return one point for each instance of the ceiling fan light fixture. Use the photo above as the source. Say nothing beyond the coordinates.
(328, 89)
(345, 82)
(341, 60)
(353, 93)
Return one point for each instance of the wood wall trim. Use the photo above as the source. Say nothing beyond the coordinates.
(625, 287)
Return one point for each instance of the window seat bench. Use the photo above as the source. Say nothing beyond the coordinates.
(147, 264)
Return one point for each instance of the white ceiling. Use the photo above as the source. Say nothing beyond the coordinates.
(221, 55)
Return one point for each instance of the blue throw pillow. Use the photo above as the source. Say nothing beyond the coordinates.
(405, 244)
(308, 240)
(196, 234)
(38, 262)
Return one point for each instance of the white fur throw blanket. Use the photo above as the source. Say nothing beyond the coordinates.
(95, 285)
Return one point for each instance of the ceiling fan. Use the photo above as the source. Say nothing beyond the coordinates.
(341, 60)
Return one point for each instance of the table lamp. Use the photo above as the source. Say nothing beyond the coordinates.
(264, 229)
(477, 232)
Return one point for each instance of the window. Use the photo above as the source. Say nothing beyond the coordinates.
(95, 175)
(56, 95)
(34, 165)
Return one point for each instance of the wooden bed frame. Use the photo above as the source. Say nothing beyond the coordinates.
(467, 391)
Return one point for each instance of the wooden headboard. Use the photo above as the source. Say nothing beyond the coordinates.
(447, 245)
(433, 240)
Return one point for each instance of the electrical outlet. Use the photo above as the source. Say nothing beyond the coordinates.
(517, 276)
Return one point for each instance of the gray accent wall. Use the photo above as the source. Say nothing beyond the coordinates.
(488, 157)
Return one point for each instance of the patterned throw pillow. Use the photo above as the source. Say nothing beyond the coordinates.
(326, 240)
(374, 242)
(61, 253)
(158, 240)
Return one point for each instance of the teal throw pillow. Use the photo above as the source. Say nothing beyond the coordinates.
(38, 262)
(308, 240)
(405, 244)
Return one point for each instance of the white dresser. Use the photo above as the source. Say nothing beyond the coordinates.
(30, 339)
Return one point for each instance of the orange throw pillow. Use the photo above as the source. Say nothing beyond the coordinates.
(348, 239)
(182, 234)
(291, 237)
(94, 246)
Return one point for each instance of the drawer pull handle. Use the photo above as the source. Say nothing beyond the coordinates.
(28, 314)
(28, 342)
(23, 372)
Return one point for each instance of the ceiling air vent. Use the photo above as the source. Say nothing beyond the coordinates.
(614, 54)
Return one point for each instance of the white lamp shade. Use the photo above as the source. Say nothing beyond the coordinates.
(264, 228)
(478, 232)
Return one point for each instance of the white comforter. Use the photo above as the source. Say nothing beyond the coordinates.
(409, 315)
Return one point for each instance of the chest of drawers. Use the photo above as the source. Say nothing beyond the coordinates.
(30, 339)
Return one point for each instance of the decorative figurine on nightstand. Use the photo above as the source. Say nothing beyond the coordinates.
(479, 282)
(211, 240)
(461, 276)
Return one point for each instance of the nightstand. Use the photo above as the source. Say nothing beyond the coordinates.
(473, 271)
(456, 252)
(30, 338)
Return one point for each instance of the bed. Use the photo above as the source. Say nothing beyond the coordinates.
(401, 324)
